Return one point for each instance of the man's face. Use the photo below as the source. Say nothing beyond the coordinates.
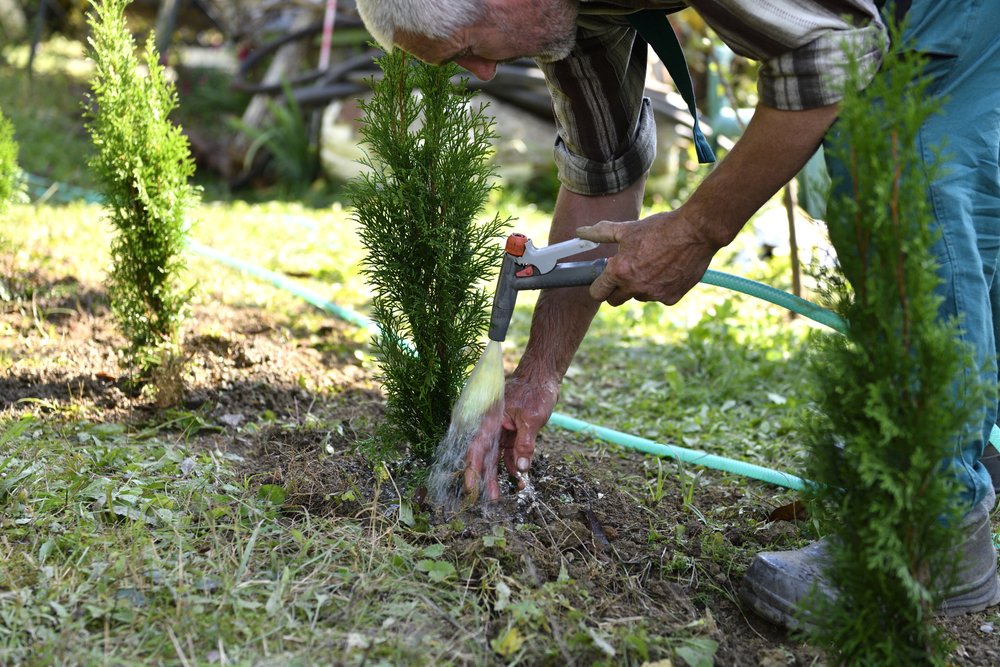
(542, 29)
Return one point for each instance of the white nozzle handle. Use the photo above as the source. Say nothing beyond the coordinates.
(544, 259)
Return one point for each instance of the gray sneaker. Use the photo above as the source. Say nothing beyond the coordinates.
(776, 581)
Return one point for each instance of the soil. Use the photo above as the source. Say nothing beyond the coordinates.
(591, 513)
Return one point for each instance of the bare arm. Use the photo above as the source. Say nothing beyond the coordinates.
(663, 256)
(562, 316)
(560, 321)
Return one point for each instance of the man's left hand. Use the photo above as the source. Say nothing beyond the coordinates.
(660, 258)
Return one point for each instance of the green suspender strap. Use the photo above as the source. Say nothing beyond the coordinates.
(655, 29)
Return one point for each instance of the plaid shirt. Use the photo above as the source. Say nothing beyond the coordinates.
(606, 136)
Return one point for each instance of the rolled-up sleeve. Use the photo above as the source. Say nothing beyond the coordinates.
(606, 135)
(814, 75)
(804, 47)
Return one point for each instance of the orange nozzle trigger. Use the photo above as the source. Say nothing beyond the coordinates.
(516, 244)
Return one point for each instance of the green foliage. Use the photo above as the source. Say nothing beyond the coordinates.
(286, 139)
(894, 395)
(143, 164)
(9, 172)
(427, 257)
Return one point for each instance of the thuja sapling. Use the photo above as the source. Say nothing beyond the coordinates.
(893, 395)
(143, 164)
(9, 172)
(427, 146)
(9, 179)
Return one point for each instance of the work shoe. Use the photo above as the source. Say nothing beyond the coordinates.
(776, 581)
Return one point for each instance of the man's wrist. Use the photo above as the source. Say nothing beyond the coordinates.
(538, 368)
(713, 226)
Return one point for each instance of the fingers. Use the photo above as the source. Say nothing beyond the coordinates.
(488, 474)
(608, 286)
(604, 287)
(473, 468)
(518, 451)
(490, 484)
(481, 465)
(603, 232)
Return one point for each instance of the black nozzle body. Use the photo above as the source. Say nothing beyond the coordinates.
(503, 300)
(566, 274)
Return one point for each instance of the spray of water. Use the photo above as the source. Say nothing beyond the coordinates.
(475, 421)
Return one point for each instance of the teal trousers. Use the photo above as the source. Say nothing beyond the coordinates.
(962, 40)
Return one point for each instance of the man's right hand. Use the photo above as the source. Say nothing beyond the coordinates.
(528, 404)
(560, 321)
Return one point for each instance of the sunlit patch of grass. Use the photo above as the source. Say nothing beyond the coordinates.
(54, 55)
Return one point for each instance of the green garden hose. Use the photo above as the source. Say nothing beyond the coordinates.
(692, 456)
(683, 454)
(777, 297)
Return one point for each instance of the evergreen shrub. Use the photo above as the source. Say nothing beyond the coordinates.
(427, 149)
(143, 164)
(895, 395)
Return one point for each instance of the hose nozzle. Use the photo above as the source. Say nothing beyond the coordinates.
(527, 267)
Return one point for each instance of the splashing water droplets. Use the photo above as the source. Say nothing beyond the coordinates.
(475, 421)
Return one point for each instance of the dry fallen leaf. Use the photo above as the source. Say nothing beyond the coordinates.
(793, 511)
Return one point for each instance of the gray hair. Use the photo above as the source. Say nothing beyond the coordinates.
(439, 19)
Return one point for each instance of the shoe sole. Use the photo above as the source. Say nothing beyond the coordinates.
(978, 599)
(769, 606)
(780, 611)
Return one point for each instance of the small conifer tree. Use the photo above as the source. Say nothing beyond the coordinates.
(9, 172)
(9, 178)
(429, 178)
(895, 395)
(144, 165)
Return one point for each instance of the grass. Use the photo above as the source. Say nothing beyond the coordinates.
(115, 541)
(125, 546)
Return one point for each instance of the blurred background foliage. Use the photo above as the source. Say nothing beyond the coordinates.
(291, 72)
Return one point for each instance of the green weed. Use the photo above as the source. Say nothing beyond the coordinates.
(287, 140)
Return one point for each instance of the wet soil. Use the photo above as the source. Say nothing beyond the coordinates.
(673, 554)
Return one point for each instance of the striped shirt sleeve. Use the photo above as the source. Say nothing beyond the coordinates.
(606, 138)
(802, 45)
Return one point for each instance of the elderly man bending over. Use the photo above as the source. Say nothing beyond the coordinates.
(595, 67)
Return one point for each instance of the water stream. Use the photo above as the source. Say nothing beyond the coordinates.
(475, 421)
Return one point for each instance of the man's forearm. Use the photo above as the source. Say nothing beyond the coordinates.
(774, 147)
(562, 316)
(771, 151)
